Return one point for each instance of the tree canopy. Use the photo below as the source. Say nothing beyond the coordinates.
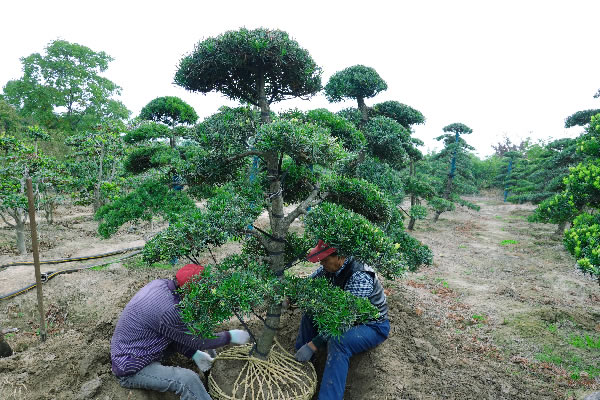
(259, 67)
(67, 77)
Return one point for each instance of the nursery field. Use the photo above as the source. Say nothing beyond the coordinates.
(502, 313)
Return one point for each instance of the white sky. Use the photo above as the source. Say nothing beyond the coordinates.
(515, 68)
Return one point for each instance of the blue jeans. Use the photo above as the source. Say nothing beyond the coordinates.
(156, 376)
(355, 340)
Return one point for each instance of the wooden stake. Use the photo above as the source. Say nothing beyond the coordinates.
(36, 259)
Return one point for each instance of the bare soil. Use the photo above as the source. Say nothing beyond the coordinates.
(498, 316)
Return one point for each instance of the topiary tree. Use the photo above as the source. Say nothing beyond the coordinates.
(455, 151)
(260, 67)
(357, 82)
(171, 111)
(580, 118)
(580, 202)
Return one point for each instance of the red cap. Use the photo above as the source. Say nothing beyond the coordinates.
(320, 251)
(188, 272)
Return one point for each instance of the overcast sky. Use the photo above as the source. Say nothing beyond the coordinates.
(514, 68)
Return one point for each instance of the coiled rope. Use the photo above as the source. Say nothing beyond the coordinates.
(279, 377)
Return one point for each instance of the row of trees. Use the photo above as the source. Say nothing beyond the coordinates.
(347, 172)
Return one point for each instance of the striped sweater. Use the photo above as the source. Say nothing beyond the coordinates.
(150, 326)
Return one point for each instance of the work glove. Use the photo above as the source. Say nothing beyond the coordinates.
(239, 336)
(203, 360)
(304, 353)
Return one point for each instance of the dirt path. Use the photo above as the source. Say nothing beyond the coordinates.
(495, 317)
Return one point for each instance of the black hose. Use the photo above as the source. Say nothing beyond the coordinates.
(64, 260)
(46, 276)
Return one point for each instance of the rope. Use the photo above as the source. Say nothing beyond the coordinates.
(46, 276)
(279, 377)
(64, 260)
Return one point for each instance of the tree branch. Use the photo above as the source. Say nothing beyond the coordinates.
(301, 208)
(245, 154)
(6, 222)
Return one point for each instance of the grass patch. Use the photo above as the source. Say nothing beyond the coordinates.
(507, 242)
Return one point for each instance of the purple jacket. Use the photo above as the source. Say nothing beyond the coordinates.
(148, 325)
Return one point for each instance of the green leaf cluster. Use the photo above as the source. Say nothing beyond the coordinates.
(354, 82)
(239, 63)
(352, 234)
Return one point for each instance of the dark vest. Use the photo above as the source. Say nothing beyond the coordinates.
(377, 297)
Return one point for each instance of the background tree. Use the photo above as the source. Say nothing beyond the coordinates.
(10, 122)
(580, 202)
(63, 88)
(96, 164)
(17, 162)
(455, 152)
(580, 118)
(171, 111)
(357, 82)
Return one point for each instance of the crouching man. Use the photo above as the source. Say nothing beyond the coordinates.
(150, 328)
(360, 280)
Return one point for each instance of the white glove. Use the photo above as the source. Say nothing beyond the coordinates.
(239, 336)
(203, 360)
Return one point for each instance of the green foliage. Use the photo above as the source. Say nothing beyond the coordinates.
(540, 174)
(227, 216)
(298, 182)
(388, 141)
(459, 128)
(352, 234)
(236, 63)
(360, 196)
(64, 88)
(580, 118)
(582, 240)
(148, 199)
(238, 285)
(440, 204)
(415, 253)
(304, 143)
(10, 122)
(321, 300)
(507, 242)
(296, 247)
(218, 140)
(401, 113)
(96, 163)
(344, 130)
(388, 179)
(418, 212)
(351, 114)
(354, 82)
(146, 131)
(555, 210)
(169, 110)
(141, 159)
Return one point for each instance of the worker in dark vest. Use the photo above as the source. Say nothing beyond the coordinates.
(150, 327)
(360, 280)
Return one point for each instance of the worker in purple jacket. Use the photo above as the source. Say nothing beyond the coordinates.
(151, 327)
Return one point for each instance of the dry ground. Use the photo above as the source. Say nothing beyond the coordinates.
(502, 314)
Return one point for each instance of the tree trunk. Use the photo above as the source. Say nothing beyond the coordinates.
(411, 223)
(277, 247)
(265, 112)
(20, 229)
(560, 230)
(364, 112)
(436, 216)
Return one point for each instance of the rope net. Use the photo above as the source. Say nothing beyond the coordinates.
(279, 377)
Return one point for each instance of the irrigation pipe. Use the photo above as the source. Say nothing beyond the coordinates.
(46, 276)
(64, 260)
